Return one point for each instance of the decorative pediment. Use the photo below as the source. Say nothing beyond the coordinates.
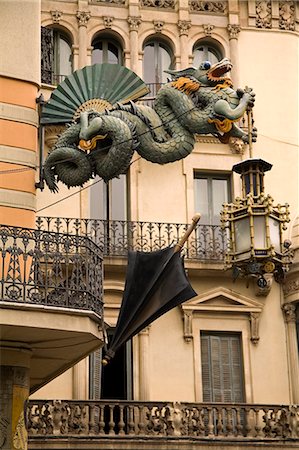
(223, 301)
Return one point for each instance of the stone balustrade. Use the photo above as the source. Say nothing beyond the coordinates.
(129, 419)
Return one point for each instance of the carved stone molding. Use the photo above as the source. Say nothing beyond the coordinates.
(289, 310)
(291, 287)
(83, 18)
(208, 28)
(263, 14)
(158, 25)
(287, 15)
(56, 16)
(187, 318)
(134, 22)
(108, 20)
(184, 27)
(233, 31)
(208, 7)
(254, 328)
(158, 3)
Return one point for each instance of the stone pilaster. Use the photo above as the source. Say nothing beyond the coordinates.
(289, 310)
(144, 381)
(233, 32)
(184, 27)
(83, 18)
(134, 22)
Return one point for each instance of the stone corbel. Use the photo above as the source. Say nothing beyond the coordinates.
(134, 22)
(188, 335)
(52, 132)
(208, 28)
(56, 16)
(254, 327)
(108, 20)
(158, 25)
(233, 31)
(263, 291)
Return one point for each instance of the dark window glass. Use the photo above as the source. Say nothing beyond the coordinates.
(206, 52)
(157, 58)
(105, 51)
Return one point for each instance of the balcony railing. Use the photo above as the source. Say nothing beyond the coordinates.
(129, 419)
(52, 269)
(116, 237)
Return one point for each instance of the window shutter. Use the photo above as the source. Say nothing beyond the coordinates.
(206, 369)
(95, 374)
(222, 370)
(47, 54)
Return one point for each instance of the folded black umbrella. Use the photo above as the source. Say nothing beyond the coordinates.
(155, 283)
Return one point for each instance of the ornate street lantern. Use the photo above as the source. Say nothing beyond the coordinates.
(256, 247)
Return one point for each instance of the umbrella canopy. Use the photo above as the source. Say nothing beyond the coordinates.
(156, 282)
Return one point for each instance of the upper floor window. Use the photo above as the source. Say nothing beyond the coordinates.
(157, 58)
(205, 51)
(210, 192)
(56, 57)
(106, 51)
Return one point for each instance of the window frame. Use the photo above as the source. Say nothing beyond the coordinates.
(106, 40)
(157, 56)
(210, 177)
(207, 46)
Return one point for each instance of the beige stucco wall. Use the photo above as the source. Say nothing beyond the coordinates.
(24, 63)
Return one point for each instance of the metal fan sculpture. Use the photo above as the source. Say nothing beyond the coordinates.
(95, 87)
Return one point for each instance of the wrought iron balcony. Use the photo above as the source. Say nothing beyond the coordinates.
(51, 269)
(158, 420)
(116, 237)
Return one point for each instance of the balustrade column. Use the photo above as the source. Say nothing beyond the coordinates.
(144, 381)
(233, 31)
(184, 27)
(83, 18)
(134, 22)
(289, 310)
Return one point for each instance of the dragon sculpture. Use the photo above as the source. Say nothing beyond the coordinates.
(195, 101)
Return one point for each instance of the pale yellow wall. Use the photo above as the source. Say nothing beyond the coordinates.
(22, 63)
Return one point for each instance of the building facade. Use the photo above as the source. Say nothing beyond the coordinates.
(234, 343)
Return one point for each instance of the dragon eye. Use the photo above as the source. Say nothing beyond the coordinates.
(206, 65)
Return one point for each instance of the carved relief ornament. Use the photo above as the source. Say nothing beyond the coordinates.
(158, 3)
(208, 28)
(263, 14)
(134, 22)
(233, 31)
(83, 17)
(108, 20)
(208, 7)
(56, 16)
(287, 15)
(158, 25)
(289, 310)
(184, 27)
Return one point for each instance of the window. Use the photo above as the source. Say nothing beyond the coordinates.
(210, 192)
(56, 58)
(109, 200)
(206, 52)
(106, 51)
(114, 381)
(222, 367)
(157, 58)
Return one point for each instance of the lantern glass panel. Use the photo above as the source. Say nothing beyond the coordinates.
(242, 235)
(260, 240)
(274, 228)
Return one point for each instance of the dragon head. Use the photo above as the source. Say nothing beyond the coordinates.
(206, 74)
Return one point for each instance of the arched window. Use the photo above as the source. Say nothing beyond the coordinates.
(56, 57)
(106, 51)
(206, 51)
(157, 58)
